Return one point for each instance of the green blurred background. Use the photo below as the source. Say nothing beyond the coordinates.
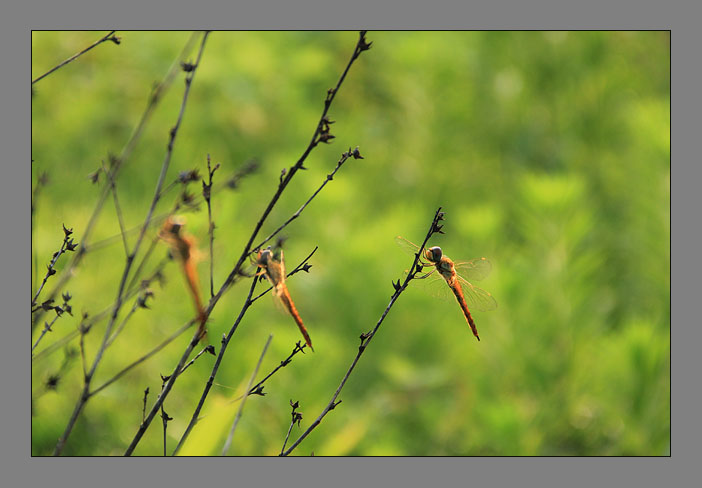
(549, 153)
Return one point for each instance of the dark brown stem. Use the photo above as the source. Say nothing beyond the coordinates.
(108, 37)
(67, 244)
(207, 194)
(111, 180)
(329, 177)
(143, 358)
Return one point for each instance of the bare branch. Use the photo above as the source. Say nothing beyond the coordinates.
(344, 157)
(66, 245)
(207, 194)
(109, 37)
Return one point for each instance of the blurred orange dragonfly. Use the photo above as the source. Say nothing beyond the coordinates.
(273, 267)
(184, 249)
(456, 276)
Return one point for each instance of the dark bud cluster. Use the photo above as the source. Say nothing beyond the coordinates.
(94, 177)
(356, 153)
(141, 301)
(325, 134)
(296, 416)
(188, 176)
(249, 167)
(363, 45)
(52, 381)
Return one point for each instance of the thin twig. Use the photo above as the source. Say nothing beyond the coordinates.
(367, 337)
(225, 342)
(231, 183)
(83, 330)
(164, 418)
(108, 37)
(47, 328)
(356, 155)
(143, 410)
(83, 398)
(296, 418)
(143, 358)
(65, 307)
(228, 442)
(210, 349)
(207, 193)
(257, 389)
(95, 318)
(111, 180)
(66, 245)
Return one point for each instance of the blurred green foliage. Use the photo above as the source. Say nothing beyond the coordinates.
(549, 153)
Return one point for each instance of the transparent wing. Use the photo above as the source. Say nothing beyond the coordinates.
(407, 246)
(477, 298)
(474, 269)
(432, 284)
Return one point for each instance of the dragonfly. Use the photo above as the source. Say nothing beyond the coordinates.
(456, 276)
(184, 249)
(273, 267)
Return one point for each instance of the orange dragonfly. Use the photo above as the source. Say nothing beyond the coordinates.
(273, 267)
(184, 249)
(456, 276)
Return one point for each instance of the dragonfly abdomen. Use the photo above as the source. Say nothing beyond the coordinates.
(285, 298)
(458, 292)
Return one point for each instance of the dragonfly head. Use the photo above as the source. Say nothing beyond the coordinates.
(434, 254)
(265, 255)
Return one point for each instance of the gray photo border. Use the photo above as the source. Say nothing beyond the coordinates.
(19, 469)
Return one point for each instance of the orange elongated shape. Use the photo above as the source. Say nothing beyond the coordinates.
(455, 286)
(274, 270)
(183, 249)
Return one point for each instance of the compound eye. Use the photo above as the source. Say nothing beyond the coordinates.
(435, 253)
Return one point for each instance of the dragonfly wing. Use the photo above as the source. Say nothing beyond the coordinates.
(477, 298)
(433, 285)
(474, 269)
(407, 246)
